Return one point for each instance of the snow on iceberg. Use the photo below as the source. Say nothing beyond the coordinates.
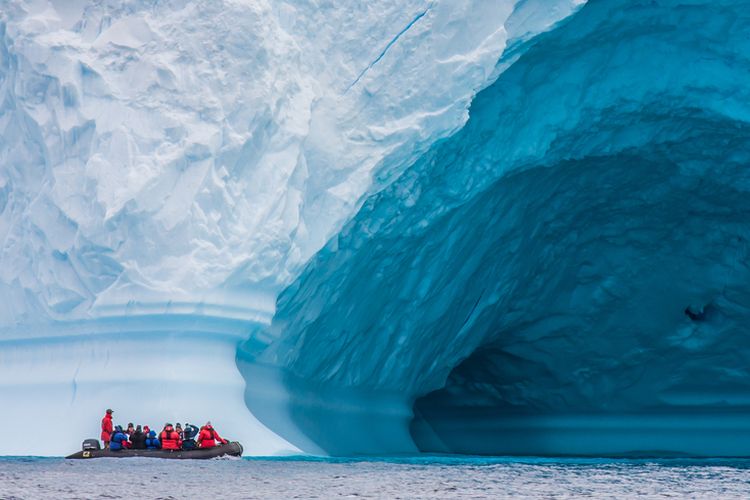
(166, 170)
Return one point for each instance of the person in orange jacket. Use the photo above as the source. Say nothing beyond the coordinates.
(107, 428)
(170, 439)
(208, 437)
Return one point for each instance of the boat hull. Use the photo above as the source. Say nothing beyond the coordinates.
(233, 449)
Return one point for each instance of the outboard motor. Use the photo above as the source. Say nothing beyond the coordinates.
(90, 444)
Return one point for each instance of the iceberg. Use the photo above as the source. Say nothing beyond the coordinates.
(515, 227)
(167, 170)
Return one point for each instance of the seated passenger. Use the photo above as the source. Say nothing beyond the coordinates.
(130, 430)
(178, 429)
(152, 442)
(119, 440)
(208, 437)
(169, 438)
(138, 439)
(188, 441)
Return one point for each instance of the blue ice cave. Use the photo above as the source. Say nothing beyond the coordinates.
(568, 274)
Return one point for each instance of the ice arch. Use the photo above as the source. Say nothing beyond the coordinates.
(523, 287)
(167, 168)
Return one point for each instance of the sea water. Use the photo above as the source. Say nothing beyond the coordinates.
(412, 477)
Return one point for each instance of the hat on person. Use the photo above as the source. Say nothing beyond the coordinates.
(109, 410)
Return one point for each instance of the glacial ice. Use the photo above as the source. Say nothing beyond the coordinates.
(567, 274)
(167, 169)
(285, 217)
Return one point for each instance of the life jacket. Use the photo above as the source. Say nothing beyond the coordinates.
(208, 437)
(170, 439)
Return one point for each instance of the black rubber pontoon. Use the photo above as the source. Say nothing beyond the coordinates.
(233, 449)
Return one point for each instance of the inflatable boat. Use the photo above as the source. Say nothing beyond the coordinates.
(231, 449)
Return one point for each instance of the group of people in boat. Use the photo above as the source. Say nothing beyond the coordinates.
(170, 438)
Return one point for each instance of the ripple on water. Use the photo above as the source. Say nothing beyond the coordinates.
(421, 477)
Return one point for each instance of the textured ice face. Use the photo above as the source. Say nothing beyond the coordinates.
(202, 152)
(536, 267)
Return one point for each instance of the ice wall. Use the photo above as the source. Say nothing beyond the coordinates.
(565, 275)
(169, 167)
(199, 153)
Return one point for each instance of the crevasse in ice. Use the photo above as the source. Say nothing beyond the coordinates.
(167, 169)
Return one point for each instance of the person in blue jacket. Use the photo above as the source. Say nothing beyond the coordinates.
(119, 440)
(189, 434)
(152, 442)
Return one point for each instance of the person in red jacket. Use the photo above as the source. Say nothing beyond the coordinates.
(170, 439)
(208, 437)
(107, 428)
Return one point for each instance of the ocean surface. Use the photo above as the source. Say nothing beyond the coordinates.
(420, 477)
